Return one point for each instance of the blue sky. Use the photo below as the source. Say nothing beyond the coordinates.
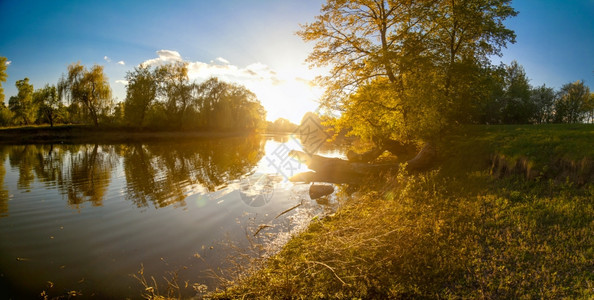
(250, 42)
(555, 41)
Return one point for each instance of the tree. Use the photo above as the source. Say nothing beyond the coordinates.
(118, 113)
(22, 105)
(140, 94)
(3, 77)
(48, 102)
(6, 116)
(543, 98)
(208, 96)
(590, 109)
(572, 104)
(517, 107)
(422, 53)
(175, 87)
(370, 105)
(491, 107)
(228, 106)
(88, 88)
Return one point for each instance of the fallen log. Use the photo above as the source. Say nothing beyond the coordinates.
(402, 150)
(368, 156)
(336, 170)
(398, 148)
(423, 160)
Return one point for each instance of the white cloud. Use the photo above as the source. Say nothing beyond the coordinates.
(121, 62)
(165, 57)
(107, 59)
(222, 60)
(256, 72)
(284, 93)
(121, 81)
(8, 62)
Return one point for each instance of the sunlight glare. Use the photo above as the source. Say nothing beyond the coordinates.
(290, 97)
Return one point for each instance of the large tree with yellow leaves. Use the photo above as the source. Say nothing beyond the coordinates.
(406, 70)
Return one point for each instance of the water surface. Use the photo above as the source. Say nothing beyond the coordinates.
(85, 217)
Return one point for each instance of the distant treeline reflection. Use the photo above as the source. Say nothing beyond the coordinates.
(160, 174)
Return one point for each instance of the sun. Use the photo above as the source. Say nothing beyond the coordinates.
(286, 90)
(290, 97)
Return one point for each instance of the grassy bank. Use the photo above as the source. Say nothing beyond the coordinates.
(535, 151)
(91, 134)
(467, 229)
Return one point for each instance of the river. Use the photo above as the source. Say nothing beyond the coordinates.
(84, 218)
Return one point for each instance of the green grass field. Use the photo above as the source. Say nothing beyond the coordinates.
(462, 230)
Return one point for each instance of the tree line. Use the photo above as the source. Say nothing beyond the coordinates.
(409, 71)
(514, 101)
(157, 97)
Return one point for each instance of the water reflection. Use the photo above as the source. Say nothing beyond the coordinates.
(162, 175)
(23, 157)
(3, 191)
(88, 175)
(158, 174)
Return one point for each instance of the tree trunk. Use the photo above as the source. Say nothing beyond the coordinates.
(402, 150)
(95, 118)
(336, 170)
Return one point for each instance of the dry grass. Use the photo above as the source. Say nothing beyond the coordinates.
(432, 238)
(457, 232)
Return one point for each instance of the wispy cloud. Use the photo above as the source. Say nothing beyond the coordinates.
(222, 60)
(121, 62)
(307, 82)
(121, 81)
(8, 62)
(107, 59)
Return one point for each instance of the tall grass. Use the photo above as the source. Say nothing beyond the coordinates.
(429, 236)
(455, 232)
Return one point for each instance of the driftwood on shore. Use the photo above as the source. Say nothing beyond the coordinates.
(336, 170)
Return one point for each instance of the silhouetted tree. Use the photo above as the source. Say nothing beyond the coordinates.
(517, 105)
(572, 103)
(590, 109)
(543, 98)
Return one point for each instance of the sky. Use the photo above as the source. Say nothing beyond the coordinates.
(250, 42)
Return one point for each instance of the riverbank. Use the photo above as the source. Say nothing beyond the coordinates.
(91, 134)
(508, 214)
